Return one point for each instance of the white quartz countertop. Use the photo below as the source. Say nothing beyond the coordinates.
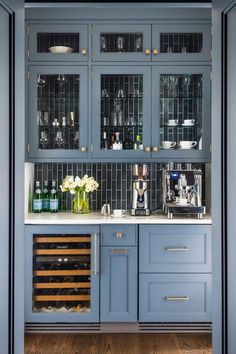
(95, 218)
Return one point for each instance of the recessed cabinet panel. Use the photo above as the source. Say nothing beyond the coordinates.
(121, 42)
(175, 298)
(64, 274)
(182, 42)
(58, 42)
(121, 112)
(58, 110)
(181, 99)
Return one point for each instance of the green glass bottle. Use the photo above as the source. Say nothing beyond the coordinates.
(53, 201)
(45, 196)
(37, 199)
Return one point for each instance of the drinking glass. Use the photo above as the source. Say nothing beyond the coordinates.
(120, 44)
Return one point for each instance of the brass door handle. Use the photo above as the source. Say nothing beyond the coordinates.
(147, 149)
(155, 149)
(148, 51)
(176, 298)
(155, 51)
(84, 51)
(119, 235)
(83, 149)
(119, 251)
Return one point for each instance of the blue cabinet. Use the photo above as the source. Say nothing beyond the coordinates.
(62, 274)
(121, 105)
(119, 284)
(121, 42)
(175, 298)
(172, 42)
(58, 111)
(58, 42)
(181, 109)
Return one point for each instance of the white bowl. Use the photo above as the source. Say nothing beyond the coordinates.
(60, 49)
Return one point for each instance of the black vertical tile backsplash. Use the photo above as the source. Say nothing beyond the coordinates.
(115, 182)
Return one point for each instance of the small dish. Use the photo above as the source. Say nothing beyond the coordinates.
(117, 216)
(60, 49)
(187, 125)
(171, 125)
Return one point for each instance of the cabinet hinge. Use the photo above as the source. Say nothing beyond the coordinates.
(28, 147)
(91, 148)
(28, 75)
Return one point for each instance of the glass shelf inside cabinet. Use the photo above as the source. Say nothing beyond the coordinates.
(121, 112)
(181, 42)
(121, 42)
(58, 43)
(61, 273)
(58, 111)
(181, 111)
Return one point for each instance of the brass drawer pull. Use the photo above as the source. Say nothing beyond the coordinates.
(155, 149)
(155, 51)
(176, 298)
(148, 51)
(83, 149)
(84, 51)
(177, 249)
(147, 149)
(119, 235)
(119, 251)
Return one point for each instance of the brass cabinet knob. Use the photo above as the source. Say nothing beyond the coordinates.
(147, 149)
(155, 51)
(155, 149)
(84, 51)
(119, 235)
(148, 51)
(83, 149)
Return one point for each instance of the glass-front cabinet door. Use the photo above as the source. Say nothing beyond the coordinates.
(181, 112)
(62, 274)
(121, 42)
(57, 112)
(181, 42)
(121, 112)
(54, 42)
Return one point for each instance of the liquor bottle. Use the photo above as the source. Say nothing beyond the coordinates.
(54, 201)
(128, 143)
(112, 140)
(37, 199)
(104, 142)
(138, 144)
(45, 197)
(118, 145)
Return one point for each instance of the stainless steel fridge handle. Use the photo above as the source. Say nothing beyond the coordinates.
(95, 263)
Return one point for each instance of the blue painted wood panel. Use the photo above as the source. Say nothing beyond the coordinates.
(92, 316)
(119, 284)
(175, 248)
(119, 235)
(175, 298)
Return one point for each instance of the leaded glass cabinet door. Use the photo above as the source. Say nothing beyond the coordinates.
(181, 112)
(62, 282)
(121, 112)
(57, 112)
(121, 42)
(181, 42)
(54, 42)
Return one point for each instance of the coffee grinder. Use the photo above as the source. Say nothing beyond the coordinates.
(140, 203)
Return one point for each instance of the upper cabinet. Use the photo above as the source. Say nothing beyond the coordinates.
(57, 42)
(121, 42)
(181, 42)
(57, 112)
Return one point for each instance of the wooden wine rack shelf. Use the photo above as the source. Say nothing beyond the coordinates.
(61, 285)
(62, 297)
(61, 239)
(61, 272)
(62, 251)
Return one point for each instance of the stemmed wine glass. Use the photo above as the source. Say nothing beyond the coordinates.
(59, 139)
(138, 44)
(61, 79)
(174, 81)
(120, 43)
(186, 83)
(41, 81)
(43, 140)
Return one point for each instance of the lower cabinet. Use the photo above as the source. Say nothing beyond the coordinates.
(62, 274)
(119, 284)
(175, 298)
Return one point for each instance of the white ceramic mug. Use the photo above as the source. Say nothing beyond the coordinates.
(173, 121)
(187, 144)
(189, 121)
(118, 212)
(168, 144)
(183, 201)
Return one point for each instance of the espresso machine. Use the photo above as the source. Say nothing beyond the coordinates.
(140, 203)
(182, 191)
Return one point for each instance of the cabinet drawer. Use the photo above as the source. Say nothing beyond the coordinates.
(119, 235)
(173, 249)
(175, 297)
